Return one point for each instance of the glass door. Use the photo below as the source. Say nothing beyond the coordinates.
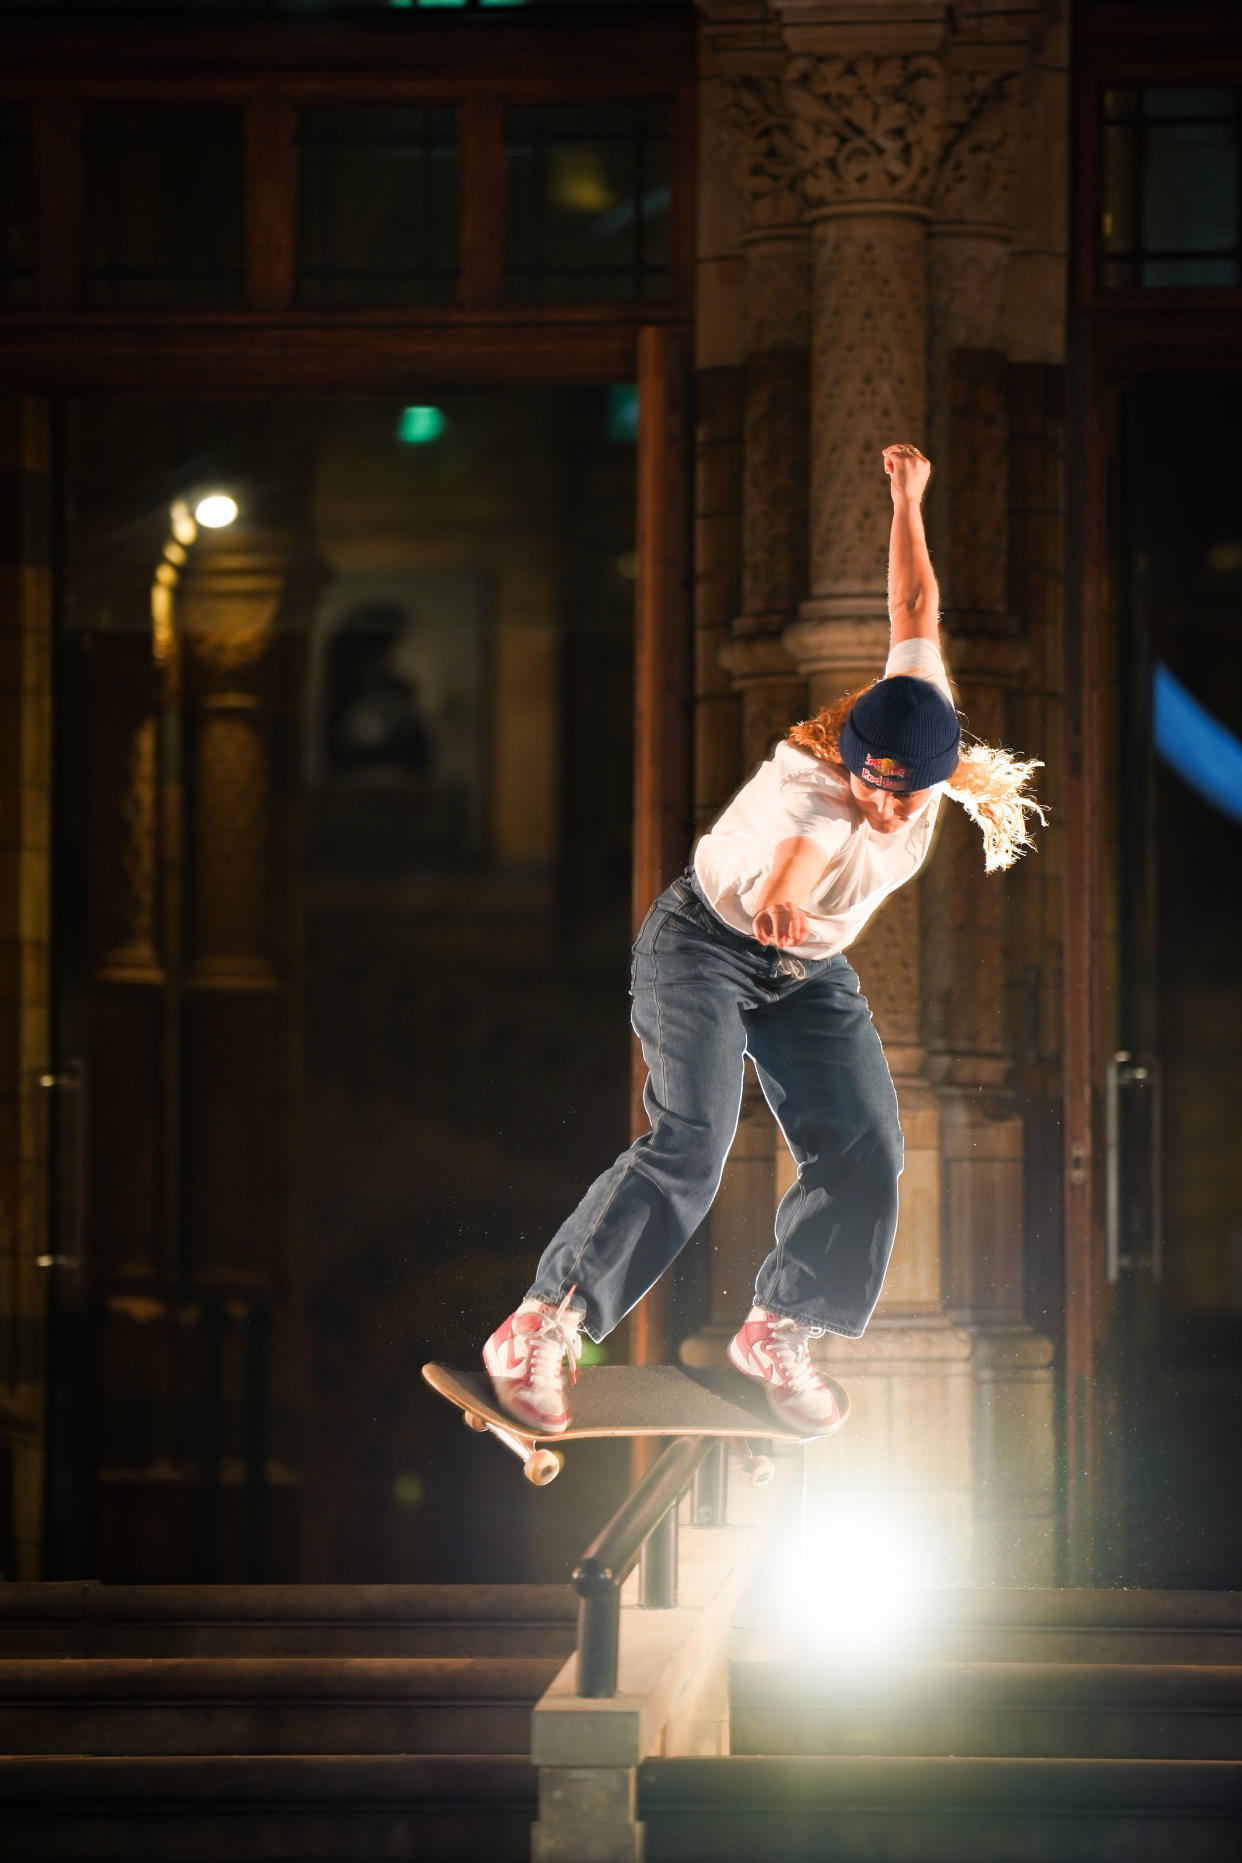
(1174, 1080)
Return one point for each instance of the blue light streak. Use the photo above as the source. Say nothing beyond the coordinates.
(1201, 750)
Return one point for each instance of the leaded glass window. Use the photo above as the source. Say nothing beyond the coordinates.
(1172, 161)
(588, 202)
(16, 206)
(377, 206)
(165, 205)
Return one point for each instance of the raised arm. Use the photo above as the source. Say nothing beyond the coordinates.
(913, 597)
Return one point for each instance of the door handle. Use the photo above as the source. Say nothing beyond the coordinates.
(71, 1083)
(1130, 1075)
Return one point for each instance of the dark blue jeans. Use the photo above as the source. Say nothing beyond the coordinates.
(705, 997)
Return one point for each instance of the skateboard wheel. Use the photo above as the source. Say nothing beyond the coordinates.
(761, 1470)
(472, 1421)
(542, 1467)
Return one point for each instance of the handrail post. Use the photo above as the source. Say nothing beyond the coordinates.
(657, 1565)
(599, 1628)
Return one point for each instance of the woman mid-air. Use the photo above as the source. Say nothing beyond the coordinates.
(745, 955)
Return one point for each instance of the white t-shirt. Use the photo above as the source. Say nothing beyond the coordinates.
(796, 794)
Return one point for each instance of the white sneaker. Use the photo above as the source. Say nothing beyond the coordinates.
(776, 1351)
(526, 1357)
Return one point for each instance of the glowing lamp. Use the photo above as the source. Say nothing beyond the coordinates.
(419, 426)
(216, 510)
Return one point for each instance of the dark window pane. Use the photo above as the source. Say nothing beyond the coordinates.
(588, 203)
(1190, 187)
(1187, 273)
(165, 205)
(377, 206)
(1172, 213)
(16, 207)
(1177, 105)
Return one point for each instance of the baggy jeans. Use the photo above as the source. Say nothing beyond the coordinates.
(705, 997)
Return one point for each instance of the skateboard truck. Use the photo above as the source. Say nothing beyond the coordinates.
(539, 1465)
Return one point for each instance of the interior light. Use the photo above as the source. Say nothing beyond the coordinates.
(166, 574)
(175, 553)
(216, 510)
(418, 426)
(579, 181)
(184, 529)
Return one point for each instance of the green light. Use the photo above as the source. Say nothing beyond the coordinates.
(593, 1354)
(441, 2)
(621, 420)
(419, 426)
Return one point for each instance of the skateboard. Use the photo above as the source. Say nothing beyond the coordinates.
(631, 1400)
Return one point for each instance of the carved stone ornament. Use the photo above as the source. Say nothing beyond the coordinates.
(867, 129)
(978, 175)
(757, 143)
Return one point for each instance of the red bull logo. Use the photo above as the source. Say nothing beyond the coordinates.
(884, 772)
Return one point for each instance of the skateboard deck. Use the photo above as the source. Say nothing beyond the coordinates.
(629, 1400)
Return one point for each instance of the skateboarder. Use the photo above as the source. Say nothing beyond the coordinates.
(745, 955)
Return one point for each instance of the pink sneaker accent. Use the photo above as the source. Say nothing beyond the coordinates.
(525, 1358)
(775, 1351)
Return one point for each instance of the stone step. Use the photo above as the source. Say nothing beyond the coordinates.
(252, 1809)
(750, 1810)
(89, 1619)
(990, 1710)
(270, 1704)
(1075, 1625)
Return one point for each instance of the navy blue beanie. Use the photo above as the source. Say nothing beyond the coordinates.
(901, 734)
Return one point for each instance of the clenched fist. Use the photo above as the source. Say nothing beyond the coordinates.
(781, 924)
(909, 470)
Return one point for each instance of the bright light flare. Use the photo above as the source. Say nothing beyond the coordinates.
(216, 510)
(848, 1585)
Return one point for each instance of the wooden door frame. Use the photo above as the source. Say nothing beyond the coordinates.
(1115, 338)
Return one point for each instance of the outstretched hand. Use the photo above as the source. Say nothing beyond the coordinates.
(909, 471)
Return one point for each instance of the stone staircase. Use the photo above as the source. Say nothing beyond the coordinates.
(256, 1722)
(377, 1722)
(1016, 1727)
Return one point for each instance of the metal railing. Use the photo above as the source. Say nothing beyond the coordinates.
(643, 1531)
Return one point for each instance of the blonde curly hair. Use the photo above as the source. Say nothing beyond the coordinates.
(989, 782)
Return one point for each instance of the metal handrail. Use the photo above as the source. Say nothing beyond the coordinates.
(646, 1516)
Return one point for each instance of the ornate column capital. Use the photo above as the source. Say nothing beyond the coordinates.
(757, 143)
(978, 171)
(867, 129)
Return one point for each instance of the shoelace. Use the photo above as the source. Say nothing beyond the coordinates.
(557, 1338)
(788, 1344)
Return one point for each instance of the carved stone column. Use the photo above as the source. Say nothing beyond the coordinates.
(758, 148)
(866, 98)
(968, 985)
(868, 129)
